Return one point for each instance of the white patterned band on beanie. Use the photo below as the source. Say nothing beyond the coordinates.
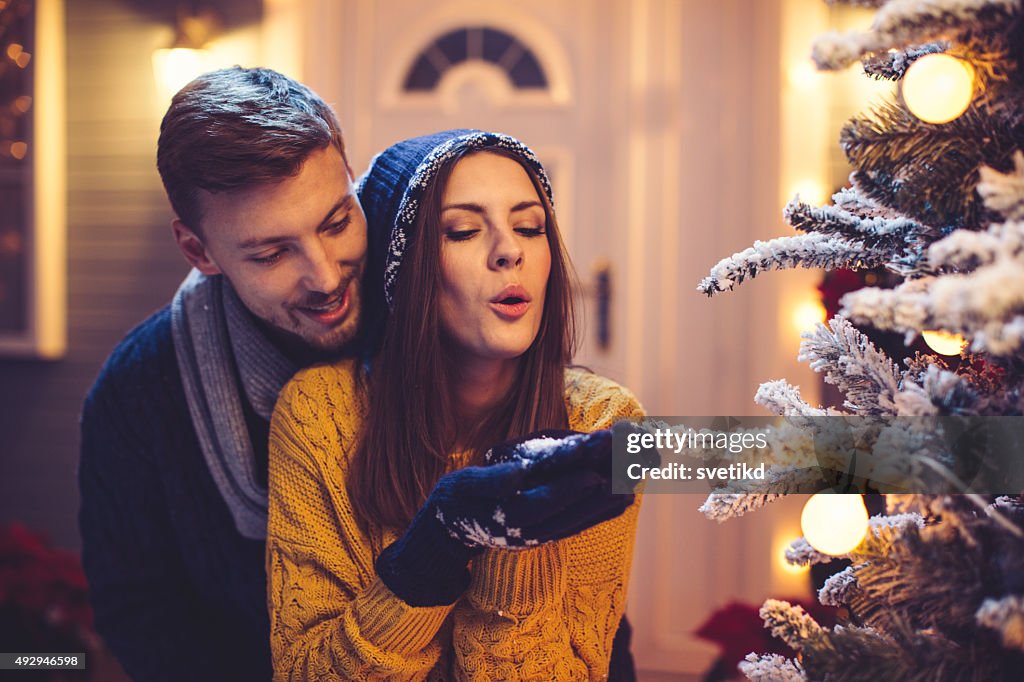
(392, 189)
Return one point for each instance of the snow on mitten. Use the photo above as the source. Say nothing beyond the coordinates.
(555, 450)
(527, 447)
(566, 489)
(548, 508)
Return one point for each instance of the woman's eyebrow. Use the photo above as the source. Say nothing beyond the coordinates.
(523, 205)
(477, 208)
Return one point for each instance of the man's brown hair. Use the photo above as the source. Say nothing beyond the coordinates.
(237, 128)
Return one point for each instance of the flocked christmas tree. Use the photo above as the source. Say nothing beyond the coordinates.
(935, 591)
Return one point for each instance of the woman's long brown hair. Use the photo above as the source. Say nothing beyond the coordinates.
(412, 426)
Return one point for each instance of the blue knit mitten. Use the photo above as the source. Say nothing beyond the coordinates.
(426, 566)
(560, 450)
(542, 494)
(566, 489)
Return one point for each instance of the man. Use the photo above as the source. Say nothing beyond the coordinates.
(174, 431)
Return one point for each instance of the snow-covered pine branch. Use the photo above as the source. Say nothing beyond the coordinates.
(791, 624)
(782, 398)
(1005, 616)
(892, 65)
(771, 668)
(964, 250)
(852, 200)
(986, 306)
(800, 553)
(835, 220)
(884, 530)
(1011, 508)
(740, 497)
(866, 376)
(838, 588)
(982, 386)
(724, 507)
(1004, 192)
(902, 23)
(812, 250)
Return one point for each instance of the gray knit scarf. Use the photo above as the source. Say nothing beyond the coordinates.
(222, 352)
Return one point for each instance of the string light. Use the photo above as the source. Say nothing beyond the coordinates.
(782, 565)
(803, 76)
(810, 190)
(177, 65)
(11, 242)
(937, 88)
(808, 314)
(834, 524)
(13, 145)
(944, 343)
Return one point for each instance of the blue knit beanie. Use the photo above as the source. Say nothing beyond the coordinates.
(392, 188)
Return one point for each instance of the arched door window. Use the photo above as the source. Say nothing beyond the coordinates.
(489, 45)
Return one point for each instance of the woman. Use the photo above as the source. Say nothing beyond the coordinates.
(398, 546)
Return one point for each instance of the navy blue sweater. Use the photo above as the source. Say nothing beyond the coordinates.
(178, 594)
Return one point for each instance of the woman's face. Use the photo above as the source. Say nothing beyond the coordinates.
(495, 258)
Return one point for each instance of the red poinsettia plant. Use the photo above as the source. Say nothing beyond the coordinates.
(44, 606)
(738, 630)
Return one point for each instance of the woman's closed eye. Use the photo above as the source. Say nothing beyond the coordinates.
(460, 235)
(531, 231)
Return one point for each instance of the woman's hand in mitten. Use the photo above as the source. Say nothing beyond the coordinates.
(561, 450)
(567, 488)
(540, 491)
(427, 565)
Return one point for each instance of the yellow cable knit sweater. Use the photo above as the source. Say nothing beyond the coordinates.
(545, 613)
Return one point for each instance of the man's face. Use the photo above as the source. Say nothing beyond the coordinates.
(293, 251)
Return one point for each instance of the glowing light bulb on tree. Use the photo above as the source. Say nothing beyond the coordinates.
(937, 88)
(944, 343)
(834, 524)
